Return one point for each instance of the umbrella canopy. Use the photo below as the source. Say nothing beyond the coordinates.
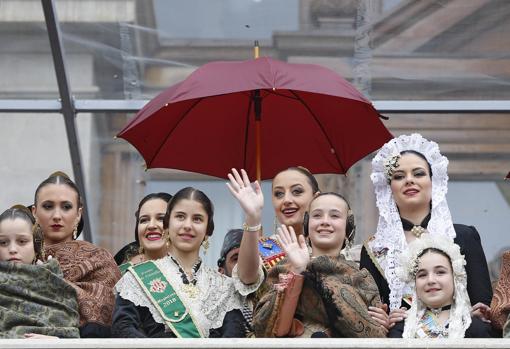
(308, 115)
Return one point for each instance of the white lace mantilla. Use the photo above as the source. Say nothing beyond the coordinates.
(390, 234)
(218, 294)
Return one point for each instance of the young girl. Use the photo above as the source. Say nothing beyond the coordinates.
(441, 307)
(35, 300)
(322, 294)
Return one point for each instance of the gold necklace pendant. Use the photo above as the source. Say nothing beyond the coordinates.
(418, 231)
(190, 289)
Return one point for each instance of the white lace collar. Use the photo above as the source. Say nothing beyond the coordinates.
(390, 233)
(218, 294)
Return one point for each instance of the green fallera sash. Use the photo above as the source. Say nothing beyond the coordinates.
(124, 267)
(163, 296)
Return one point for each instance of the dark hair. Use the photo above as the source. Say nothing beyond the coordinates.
(162, 196)
(126, 253)
(231, 241)
(350, 227)
(420, 155)
(62, 178)
(195, 195)
(305, 172)
(22, 212)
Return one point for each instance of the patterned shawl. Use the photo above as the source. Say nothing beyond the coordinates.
(93, 273)
(500, 305)
(36, 299)
(335, 296)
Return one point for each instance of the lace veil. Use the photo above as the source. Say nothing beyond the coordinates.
(460, 313)
(390, 234)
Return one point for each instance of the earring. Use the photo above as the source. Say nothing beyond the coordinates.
(348, 245)
(36, 229)
(275, 225)
(38, 242)
(75, 232)
(205, 245)
(168, 242)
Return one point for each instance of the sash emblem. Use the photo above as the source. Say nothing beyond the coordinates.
(158, 286)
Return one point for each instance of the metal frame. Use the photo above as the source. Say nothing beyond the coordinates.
(133, 106)
(69, 107)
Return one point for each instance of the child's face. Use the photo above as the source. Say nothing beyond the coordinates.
(16, 241)
(434, 280)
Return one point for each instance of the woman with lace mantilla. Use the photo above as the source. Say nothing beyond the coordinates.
(441, 308)
(179, 296)
(410, 181)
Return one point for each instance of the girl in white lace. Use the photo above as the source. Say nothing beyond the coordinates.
(442, 307)
(410, 181)
(209, 295)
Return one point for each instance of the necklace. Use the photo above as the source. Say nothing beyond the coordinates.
(437, 311)
(416, 230)
(189, 286)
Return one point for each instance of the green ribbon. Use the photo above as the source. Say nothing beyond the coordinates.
(163, 296)
(124, 267)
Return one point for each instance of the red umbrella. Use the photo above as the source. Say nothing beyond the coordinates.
(308, 114)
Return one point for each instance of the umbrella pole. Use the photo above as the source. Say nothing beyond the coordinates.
(258, 107)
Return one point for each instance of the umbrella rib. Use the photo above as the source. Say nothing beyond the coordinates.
(169, 133)
(320, 125)
(281, 94)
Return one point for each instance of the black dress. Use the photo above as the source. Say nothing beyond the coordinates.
(131, 321)
(479, 286)
(477, 329)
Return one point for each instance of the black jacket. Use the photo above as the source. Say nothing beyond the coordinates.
(478, 281)
(477, 329)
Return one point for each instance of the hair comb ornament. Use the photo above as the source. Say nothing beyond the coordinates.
(59, 174)
(390, 165)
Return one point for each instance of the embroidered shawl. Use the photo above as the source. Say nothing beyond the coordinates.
(92, 271)
(500, 305)
(36, 299)
(335, 297)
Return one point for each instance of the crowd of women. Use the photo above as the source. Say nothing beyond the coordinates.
(419, 276)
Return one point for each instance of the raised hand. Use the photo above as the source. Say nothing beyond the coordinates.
(295, 248)
(249, 195)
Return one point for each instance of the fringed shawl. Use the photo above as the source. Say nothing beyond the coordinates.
(36, 299)
(336, 294)
(93, 273)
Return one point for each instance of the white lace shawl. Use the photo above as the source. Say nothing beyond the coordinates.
(390, 233)
(460, 313)
(218, 294)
